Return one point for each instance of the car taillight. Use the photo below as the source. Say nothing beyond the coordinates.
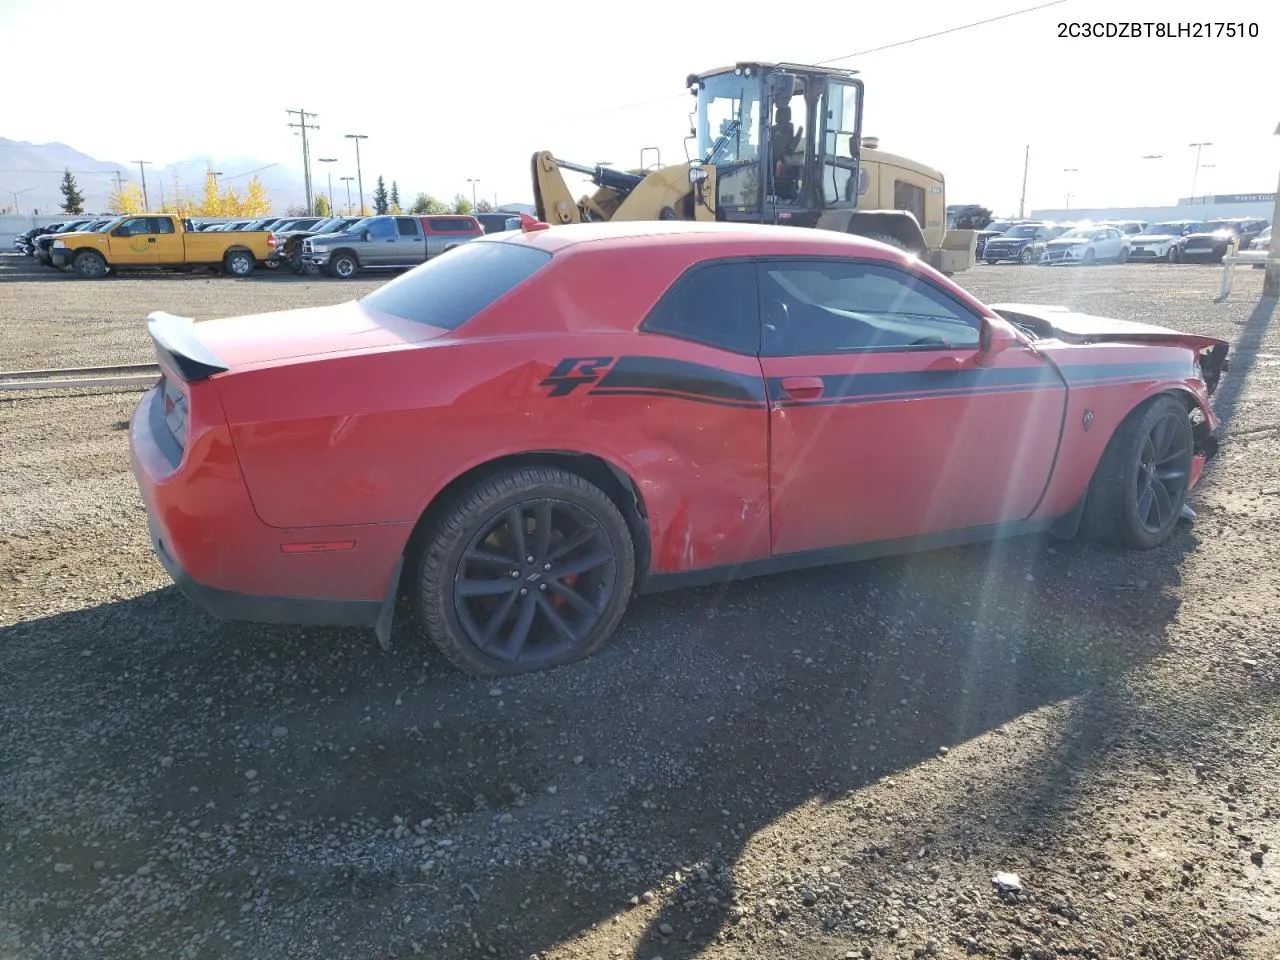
(271, 239)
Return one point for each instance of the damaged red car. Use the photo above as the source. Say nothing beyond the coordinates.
(527, 432)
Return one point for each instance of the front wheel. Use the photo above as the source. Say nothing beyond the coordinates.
(531, 569)
(1141, 483)
(89, 264)
(1123, 255)
(343, 266)
(1027, 256)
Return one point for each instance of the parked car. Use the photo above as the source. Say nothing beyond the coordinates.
(1023, 243)
(1164, 240)
(1128, 227)
(527, 431)
(289, 245)
(1211, 244)
(43, 244)
(388, 242)
(1088, 244)
(498, 222)
(29, 237)
(160, 241)
(980, 240)
(1262, 244)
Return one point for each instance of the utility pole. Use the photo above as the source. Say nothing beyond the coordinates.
(473, 181)
(1271, 278)
(326, 161)
(1069, 183)
(306, 150)
(1026, 163)
(1196, 174)
(357, 137)
(142, 166)
(348, 182)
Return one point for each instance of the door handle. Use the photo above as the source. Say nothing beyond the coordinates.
(802, 388)
(945, 365)
(151, 239)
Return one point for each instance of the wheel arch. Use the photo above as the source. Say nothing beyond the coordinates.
(347, 250)
(616, 483)
(897, 223)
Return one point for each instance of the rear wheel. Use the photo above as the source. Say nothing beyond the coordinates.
(1028, 255)
(1139, 488)
(531, 569)
(238, 263)
(89, 264)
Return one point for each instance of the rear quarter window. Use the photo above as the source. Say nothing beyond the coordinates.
(451, 289)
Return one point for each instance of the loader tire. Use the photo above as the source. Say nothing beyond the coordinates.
(891, 240)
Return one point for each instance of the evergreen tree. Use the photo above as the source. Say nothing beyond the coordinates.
(380, 200)
(395, 195)
(72, 198)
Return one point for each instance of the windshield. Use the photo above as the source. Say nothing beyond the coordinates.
(333, 226)
(1025, 231)
(1165, 229)
(1079, 233)
(1218, 226)
(1000, 225)
(728, 118)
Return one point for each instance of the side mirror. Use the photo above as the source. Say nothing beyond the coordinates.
(367, 234)
(994, 336)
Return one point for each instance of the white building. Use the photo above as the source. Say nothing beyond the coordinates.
(1220, 206)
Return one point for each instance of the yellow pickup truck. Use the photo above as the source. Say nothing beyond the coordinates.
(150, 241)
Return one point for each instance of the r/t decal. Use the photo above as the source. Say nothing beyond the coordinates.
(573, 372)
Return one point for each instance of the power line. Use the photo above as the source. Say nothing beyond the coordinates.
(942, 33)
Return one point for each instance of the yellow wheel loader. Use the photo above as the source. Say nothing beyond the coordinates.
(776, 143)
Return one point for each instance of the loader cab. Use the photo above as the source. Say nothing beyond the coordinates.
(784, 139)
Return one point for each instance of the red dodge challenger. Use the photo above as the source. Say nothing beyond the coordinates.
(526, 432)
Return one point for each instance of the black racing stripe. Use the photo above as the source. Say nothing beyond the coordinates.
(682, 377)
(676, 395)
(825, 401)
(1082, 374)
(863, 386)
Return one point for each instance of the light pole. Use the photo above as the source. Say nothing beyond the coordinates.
(17, 193)
(473, 181)
(142, 166)
(1196, 173)
(1069, 170)
(1271, 284)
(1026, 165)
(327, 160)
(348, 180)
(357, 137)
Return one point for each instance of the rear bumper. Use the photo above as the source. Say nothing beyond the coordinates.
(226, 561)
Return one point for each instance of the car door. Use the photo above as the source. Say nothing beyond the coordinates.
(170, 245)
(380, 248)
(133, 243)
(886, 420)
(411, 243)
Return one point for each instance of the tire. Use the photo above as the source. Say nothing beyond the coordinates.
(238, 263)
(892, 241)
(1027, 256)
(1123, 255)
(456, 622)
(271, 264)
(1117, 511)
(990, 262)
(1089, 258)
(343, 265)
(89, 265)
(1172, 255)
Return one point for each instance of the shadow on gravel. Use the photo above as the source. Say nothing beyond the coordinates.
(712, 714)
(1243, 356)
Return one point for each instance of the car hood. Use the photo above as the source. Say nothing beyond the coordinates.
(1154, 237)
(1068, 241)
(1002, 239)
(238, 343)
(1067, 325)
(1211, 235)
(344, 237)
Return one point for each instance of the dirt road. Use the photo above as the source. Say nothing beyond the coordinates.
(819, 765)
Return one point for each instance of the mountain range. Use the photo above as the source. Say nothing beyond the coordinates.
(33, 172)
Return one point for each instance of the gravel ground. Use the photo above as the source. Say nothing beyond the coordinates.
(821, 765)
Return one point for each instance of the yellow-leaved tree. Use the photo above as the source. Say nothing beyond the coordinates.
(126, 198)
(232, 206)
(322, 206)
(211, 203)
(256, 202)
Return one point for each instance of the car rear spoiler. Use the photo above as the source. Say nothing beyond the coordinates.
(178, 346)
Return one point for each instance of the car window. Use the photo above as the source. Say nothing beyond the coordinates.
(381, 228)
(837, 306)
(448, 291)
(714, 304)
(407, 226)
(450, 225)
(161, 225)
(136, 227)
